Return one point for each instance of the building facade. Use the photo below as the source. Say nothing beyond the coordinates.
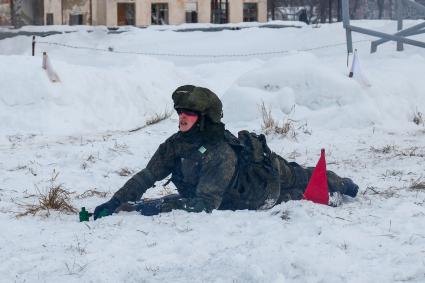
(21, 12)
(68, 12)
(5, 13)
(152, 12)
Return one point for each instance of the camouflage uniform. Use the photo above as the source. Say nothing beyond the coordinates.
(294, 179)
(201, 170)
(203, 164)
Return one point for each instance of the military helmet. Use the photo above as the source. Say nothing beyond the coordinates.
(198, 99)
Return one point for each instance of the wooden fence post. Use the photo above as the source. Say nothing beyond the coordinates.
(33, 45)
(46, 65)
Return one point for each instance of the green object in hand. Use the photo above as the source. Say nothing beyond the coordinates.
(84, 215)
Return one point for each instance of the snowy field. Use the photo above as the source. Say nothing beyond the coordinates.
(77, 133)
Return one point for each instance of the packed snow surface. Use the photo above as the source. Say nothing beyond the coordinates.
(92, 130)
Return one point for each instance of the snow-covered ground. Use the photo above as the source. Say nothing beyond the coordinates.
(76, 133)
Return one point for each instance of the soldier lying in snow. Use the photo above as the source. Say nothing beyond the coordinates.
(212, 169)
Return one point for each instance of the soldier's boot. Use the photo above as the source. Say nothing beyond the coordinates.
(294, 180)
(345, 186)
(350, 188)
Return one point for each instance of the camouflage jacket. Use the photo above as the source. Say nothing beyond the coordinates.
(202, 168)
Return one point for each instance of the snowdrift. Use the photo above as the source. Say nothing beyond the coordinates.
(103, 91)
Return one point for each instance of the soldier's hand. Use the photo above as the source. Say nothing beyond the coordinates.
(106, 209)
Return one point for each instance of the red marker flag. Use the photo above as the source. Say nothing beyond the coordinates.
(317, 188)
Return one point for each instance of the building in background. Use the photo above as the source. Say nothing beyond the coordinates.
(5, 13)
(68, 12)
(21, 12)
(130, 12)
(159, 12)
(152, 12)
(175, 12)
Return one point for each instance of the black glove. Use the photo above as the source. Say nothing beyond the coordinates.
(107, 208)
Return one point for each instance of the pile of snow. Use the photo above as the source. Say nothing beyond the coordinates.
(323, 94)
(86, 100)
(311, 86)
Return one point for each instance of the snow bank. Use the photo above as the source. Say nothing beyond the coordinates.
(87, 99)
(302, 87)
(103, 90)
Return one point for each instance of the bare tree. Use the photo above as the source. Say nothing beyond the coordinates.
(311, 4)
(380, 4)
(16, 13)
(354, 8)
(390, 8)
(330, 11)
(322, 11)
(339, 11)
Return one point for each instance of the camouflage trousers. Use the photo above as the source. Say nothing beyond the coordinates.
(294, 179)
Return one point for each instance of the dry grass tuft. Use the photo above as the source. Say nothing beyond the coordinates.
(266, 114)
(412, 151)
(92, 193)
(396, 151)
(386, 193)
(288, 128)
(384, 150)
(393, 173)
(155, 118)
(158, 117)
(124, 172)
(75, 268)
(55, 198)
(418, 185)
(90, 160)
(418, 118)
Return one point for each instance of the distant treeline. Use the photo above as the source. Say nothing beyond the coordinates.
(323, 11)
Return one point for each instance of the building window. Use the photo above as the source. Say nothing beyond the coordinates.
(219, 11)
(250, 12)
(159, 14)
(75, 19)
(49, 19)
(126, 14)
(191, 9)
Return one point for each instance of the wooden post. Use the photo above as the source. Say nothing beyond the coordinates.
(33, 45)
(44, 65)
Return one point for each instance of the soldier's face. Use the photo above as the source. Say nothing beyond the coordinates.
(186, 120)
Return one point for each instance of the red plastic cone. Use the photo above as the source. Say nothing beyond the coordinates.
(317, 188)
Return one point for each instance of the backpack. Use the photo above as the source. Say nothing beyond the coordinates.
(257, 177)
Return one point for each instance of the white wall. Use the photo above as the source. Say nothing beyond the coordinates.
(53, 6)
